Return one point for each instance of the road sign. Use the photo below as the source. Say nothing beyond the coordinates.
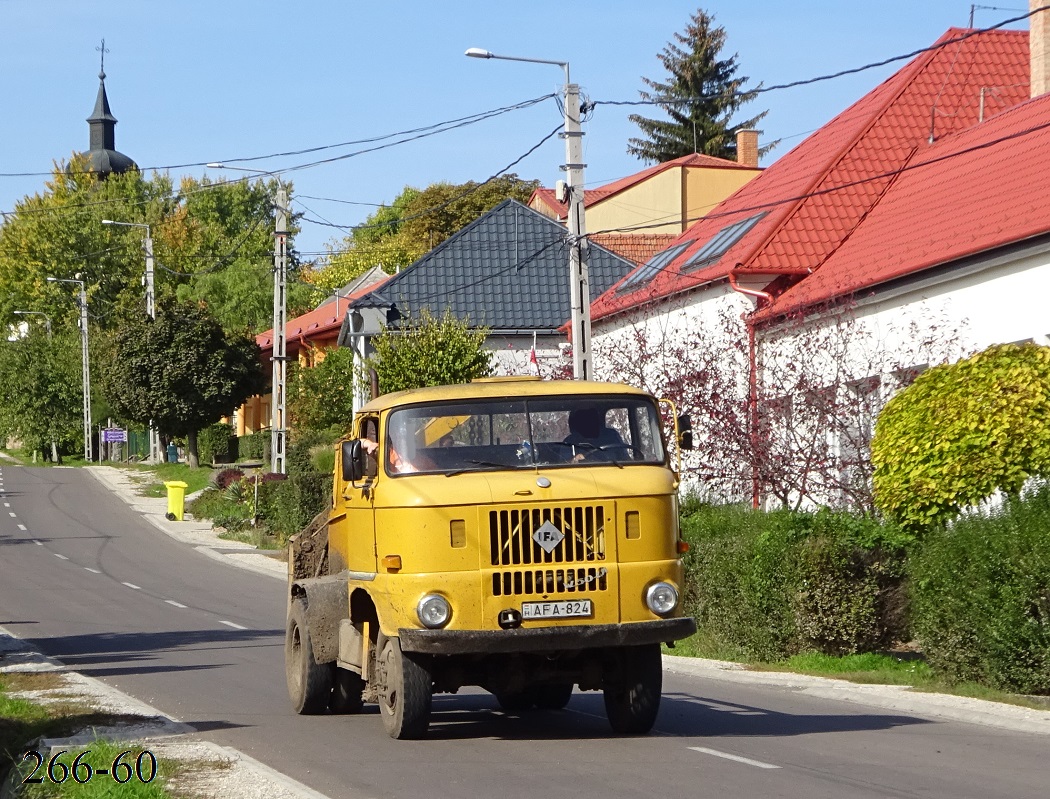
(114, 435)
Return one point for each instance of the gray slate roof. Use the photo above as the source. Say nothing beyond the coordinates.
(508, 270)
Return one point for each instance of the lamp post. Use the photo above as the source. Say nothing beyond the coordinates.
(579, 282)
(151, 312)
(86, 365)
(278, 410)
(47, 319)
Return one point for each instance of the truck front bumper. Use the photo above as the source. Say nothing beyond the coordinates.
(541, 639)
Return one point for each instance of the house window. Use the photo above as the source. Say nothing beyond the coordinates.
(653, 267)
(721, 242)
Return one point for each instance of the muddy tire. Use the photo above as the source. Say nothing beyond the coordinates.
(632, 689)
(551, 697)
(347, 687)
(309, 682)
(405, 692)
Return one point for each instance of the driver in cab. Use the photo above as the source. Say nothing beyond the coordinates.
(590, 437)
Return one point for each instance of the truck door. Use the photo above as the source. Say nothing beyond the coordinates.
(357, 502)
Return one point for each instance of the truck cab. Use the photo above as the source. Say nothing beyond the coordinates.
(514, 534)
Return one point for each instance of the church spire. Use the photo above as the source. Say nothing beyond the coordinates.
(102, 155)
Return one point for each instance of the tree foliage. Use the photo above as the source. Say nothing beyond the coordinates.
(322, 396)
(41, 385)
(212, 242)
(700, 95)
(962, 432)
(181, 370)
(416, 221)
(427, 351)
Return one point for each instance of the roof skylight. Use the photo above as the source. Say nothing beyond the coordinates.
(722, 241)
(653, 267)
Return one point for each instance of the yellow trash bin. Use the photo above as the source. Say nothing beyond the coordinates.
(176, 499)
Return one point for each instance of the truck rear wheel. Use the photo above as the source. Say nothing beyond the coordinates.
(632, 689)
(405, 692)
(552, 697)
(309, 682)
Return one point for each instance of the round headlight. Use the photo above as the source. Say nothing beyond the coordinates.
(661, 598)
(433, 611)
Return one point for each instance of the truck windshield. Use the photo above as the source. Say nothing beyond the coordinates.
(456, 437)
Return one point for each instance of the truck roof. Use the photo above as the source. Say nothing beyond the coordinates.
(499, 388)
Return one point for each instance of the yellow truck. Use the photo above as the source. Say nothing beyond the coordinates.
(510, 533)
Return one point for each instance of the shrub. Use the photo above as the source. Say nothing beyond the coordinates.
(962, 432)
(767, 586)
(216, 443)
(981, 596)
(295, 501)
(254, 447)
(224, 477)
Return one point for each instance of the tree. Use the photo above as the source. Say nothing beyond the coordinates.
(700, 95)
(323, 395)
(182, 370)
(426, 351)
(40, 381)
(961, 432)
(397, 235)
(212, 242)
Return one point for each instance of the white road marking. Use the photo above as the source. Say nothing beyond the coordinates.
(7, 504)
(173, 602)
(132, 585)
(231, 624)
(62, 557)
(38, 543)
(93, 571)
(12, 514)
(737, 758)
(22, 527)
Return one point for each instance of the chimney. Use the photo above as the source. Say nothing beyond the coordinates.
(747, 145)
(1039, 47)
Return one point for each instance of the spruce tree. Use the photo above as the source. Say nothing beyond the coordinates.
(700, 95)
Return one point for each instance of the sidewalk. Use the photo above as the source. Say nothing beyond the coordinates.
(198, 533)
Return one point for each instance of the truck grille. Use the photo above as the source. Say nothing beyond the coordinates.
(549, 581)
(512, 543)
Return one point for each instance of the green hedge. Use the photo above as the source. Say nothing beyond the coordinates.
(290, 504)
(254, 446)
(216, 443)
(766, 586)
(981, 596)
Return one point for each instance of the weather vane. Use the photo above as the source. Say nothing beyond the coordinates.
(102, 60)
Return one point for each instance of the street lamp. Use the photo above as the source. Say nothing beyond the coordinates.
(579, 281)
(86, 365)
(47, 319)
(278, 411)
(151, 312)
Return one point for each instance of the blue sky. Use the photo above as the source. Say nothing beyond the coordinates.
(193, 82)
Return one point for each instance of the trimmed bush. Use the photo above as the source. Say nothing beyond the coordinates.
(254, 447)
(766, 586)
(216, 443)
(295, 501)
(981, 596)
(224, 477)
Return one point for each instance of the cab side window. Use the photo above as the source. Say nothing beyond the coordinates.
(370, 430)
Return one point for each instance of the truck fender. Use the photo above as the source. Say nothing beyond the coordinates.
(327, 604)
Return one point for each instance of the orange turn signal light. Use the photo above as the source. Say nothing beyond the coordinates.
(683, 547)
(392, 562)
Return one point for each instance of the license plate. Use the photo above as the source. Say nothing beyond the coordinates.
(557, 610)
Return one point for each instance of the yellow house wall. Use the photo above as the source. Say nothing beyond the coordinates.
(657, 200)
(706, 188)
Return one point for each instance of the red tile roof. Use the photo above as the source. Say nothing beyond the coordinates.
(325, 319)
(637, 247)
(823, 193)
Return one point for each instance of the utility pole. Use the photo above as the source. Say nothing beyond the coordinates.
(278, 430)
(580, 288)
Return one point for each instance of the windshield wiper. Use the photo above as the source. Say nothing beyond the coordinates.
(488, 464)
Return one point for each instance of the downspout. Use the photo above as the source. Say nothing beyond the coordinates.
(762, 298)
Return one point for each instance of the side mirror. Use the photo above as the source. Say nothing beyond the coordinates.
(685, 432)
(353, 460)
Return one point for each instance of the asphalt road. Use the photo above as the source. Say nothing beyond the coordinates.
(89, 582)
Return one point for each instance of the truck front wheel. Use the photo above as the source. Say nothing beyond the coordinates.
(632, 689)
(309, 682)
(405, 692)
